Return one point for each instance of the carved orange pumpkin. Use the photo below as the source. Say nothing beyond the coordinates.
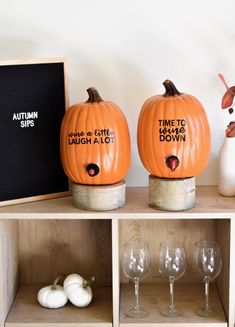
(95, 142)
(173, 135)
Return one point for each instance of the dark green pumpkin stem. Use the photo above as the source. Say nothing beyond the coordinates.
(87, 283)
(171, 90)
(53, 287)
(93, 95)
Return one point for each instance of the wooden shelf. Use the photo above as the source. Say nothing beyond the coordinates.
(26, 312)
(209, 204)
(54, 234)
(156, 296)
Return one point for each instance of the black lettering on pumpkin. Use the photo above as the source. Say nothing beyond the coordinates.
(169, 133)
(78, 140)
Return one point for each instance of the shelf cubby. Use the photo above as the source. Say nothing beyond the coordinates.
(189, 289)
(36, 251)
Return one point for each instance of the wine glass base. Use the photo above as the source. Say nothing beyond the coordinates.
(132, 313)
(203, 312)
(171, 313)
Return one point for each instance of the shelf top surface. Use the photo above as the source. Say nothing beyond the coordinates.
(188, 297)
(209, 204)
(26, 310)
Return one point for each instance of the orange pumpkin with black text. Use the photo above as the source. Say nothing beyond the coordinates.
(95, 142)
(173, 135)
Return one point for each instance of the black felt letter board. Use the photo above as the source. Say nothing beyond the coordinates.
(32, 105)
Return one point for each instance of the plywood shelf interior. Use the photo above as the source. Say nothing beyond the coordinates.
(34, 252)
(26, 312)
(154, 297)
(187, 231)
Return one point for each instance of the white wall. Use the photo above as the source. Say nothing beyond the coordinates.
(127, 49)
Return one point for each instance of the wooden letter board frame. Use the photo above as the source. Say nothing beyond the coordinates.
(33, 100)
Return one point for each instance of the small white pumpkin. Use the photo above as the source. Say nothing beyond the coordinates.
(78, 290)
(52, 296)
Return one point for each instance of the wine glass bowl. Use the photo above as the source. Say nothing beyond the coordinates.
(207, 259)
(172, 264)
(136, 260)
(136, 265)
(207, 264)
(172, 260)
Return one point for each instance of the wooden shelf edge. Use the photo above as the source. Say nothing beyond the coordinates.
(172, 324)
(209, 204)
(58, 324)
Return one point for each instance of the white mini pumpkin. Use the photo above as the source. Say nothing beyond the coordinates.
(52, 296)
(78, 290)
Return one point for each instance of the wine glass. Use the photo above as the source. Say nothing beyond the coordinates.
(136, 264)
(172, 264)
(208, 264)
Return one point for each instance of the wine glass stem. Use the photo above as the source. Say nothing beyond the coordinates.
(172, 306)
(137, 305)
(206, 295)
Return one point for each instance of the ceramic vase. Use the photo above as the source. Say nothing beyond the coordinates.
(226, 185)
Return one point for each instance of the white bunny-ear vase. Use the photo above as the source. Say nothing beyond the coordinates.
(226, 185)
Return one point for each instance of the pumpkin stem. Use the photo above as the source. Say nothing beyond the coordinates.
(93, 95)
(87, 283)
(53, 287)
(171, 90)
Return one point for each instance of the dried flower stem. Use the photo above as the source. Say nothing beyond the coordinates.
(221, 77)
